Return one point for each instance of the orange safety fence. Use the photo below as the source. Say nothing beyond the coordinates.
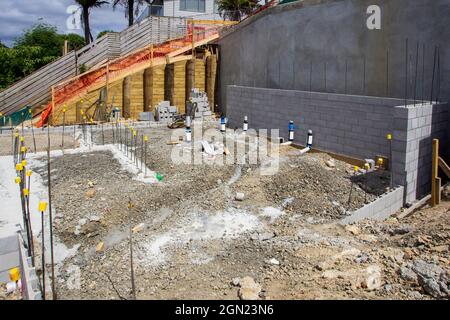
(72, 89)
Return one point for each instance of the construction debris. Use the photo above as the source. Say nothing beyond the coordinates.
(165, 112)
(249, 289)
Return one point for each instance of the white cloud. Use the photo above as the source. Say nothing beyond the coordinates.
(18, 15)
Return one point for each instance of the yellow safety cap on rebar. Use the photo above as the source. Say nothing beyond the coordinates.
(145, 138)
(30, 111)
(389, 136)
(23, 149)
(26, 192)
(14, 274)
(42, 206)
(17, 180)
(16, 134)
(355, 168)
(24, 163)
(380, 161)
(29, 172)
(19, 167)
(81, 111)
(84, 117)
(134, 133)
(81, 101)
(64, 110)
(22, 139)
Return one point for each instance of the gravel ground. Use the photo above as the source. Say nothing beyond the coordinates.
(40, 136)
(194, 239)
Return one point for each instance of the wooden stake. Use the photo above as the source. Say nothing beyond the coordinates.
(65, 48)
(105, 106)
(435, 180)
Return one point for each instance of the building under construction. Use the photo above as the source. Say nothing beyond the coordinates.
(129, 139)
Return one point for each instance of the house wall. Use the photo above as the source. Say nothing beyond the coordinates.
(172, 9)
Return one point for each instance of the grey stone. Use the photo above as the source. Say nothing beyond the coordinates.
(401, 230)
(407, 274)
(432, 278)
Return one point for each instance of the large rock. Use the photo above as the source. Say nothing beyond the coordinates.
(432, 278)
(249, 289)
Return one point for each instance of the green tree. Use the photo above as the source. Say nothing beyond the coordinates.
(236, 9)
(86, 6)
(131, 8)
(102, 33)
(19, 62)
(75, 41)
(44, 36)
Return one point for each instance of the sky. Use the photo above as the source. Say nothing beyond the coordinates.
(18, 15)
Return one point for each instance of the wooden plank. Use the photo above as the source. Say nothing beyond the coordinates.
(170, 60)
(435, 191)
(216, 22)
(444, 167)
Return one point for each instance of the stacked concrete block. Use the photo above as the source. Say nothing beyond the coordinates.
(201, 99)
(380, 209)
(165, 112)
(146, 116)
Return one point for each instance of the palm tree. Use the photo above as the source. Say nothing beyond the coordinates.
(131, 8)
(236, 9)
(86, 6)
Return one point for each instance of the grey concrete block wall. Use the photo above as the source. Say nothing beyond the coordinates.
(280, 46)
(350, 125)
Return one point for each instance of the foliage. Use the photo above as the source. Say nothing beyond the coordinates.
(236, 9)
(19, 62)
(75, 41)
(44, 36)
(36, 47)
(82, 69)
(102, 33)
(131, 8)
(86, 6)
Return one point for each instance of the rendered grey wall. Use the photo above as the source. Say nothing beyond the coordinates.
(279, 47)
(350, 125)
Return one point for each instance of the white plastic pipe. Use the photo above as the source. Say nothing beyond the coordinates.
(305, 150)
